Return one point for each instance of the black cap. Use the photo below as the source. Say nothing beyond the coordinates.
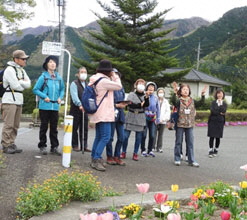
(54, 58)
(104, 66)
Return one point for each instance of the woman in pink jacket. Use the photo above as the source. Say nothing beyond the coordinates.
(105, 113)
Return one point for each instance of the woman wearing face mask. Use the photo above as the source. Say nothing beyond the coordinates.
(76, 110)
(165, 112)
(135, 119)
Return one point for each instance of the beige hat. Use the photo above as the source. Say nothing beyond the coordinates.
(20, 54)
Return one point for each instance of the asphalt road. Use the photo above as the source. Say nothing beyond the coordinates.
(159, 172)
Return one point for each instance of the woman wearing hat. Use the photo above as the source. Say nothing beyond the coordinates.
(105, 114)
(50, 90)
(135, 118)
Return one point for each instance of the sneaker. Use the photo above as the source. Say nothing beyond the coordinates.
(215, 153)
(76, 149)
(97, 165)
(43, 151)
(194, 164)
(119, 161)
(102, 162)
(186, 158)
(181, 156)
(211, 154)
(17, 150)
(144, 154)
(111, 161)
(177, 163)
(55, 151)
(160, 151)
(151, 154)
(135, 157)
(8, 150)
(123, 155)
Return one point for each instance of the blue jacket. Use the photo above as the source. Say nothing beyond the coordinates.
(153, 107)
(51, 88)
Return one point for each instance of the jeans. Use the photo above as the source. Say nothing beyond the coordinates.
(48, 117)
(151, 126)
(138, 139)
(189, 139)
(120, 137)
(102, 137)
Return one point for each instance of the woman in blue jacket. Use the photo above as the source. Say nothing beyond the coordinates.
(50, 90)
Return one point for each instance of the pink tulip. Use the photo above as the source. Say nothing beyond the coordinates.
(92, 216)
(225, 215)
(173, 216)
(193, 197)
(244, 167)
(143, 187)
(160, 198)
(210, 192)
(106, 216)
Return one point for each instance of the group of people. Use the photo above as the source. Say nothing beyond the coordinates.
(148, 111)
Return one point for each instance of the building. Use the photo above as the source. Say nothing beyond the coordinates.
(197, 80)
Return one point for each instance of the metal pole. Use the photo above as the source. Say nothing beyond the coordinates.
(198, 55)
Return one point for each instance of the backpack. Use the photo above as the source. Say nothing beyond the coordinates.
(2, 89)
(88, 100)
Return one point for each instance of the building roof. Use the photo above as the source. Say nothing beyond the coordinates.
(197, 76)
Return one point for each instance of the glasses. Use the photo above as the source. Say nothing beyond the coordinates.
(23, 59)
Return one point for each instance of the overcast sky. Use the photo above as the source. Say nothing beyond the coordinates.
(78, 12)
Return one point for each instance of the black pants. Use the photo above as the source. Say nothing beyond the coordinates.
(48, 117)
(77, 123)
(211, 142)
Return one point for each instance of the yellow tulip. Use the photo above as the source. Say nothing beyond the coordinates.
(243, 184)
(174, 188)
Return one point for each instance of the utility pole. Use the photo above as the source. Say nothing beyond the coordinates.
(62, 3)
(198, 56)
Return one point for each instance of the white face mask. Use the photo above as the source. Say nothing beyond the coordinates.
(83, 76)
(161, 95)
(140, 87)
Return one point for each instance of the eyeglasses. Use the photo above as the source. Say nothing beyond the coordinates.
(23, 59)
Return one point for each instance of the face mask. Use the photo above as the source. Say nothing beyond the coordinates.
(83, 76)
(140, 87)
(161, 95)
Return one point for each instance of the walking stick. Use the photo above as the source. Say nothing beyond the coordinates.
(83, 129)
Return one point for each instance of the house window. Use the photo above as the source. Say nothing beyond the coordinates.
(212, 90)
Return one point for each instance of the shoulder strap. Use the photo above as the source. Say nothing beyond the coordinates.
(44, 84)
(94, 84)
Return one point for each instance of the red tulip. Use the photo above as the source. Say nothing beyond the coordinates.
(173, 216)
(210, 192)
(143, 187)
(160, 198)
(225, 215)
(193, 197)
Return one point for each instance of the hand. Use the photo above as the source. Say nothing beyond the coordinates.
(121, 105)
(47, 99)
(204, 90)
(175, 87)
(58, 100)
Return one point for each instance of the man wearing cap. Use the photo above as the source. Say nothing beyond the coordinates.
(15, 80)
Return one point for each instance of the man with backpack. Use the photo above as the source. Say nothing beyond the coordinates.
(15, 80)
(76, 110)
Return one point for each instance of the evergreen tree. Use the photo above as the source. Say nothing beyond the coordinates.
(131, 38)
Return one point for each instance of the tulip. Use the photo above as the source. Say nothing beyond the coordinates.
(92, 216)
(210, 192)
(143, 187)
(193, 197)
(244, 167)
(106, 216)
(243, 184)
(174, 188)
(160, 198)
(225, 215)
(173, 216)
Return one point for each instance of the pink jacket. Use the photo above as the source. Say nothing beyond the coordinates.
(105, 112)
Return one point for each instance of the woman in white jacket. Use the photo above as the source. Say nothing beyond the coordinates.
(165, 113)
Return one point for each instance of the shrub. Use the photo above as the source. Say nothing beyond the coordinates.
(62, 188)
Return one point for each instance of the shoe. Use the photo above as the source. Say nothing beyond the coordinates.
(144, 154)
(211, 154)
(215, 153)
(194, 164)
(55, 151)
(102, 162)
(119, 161)
(111, 161)
(87, 150)
(151, 154)
(17, 150)
(43, 151)
(177, 163)
(160, 151)
(123, 155)
(76, 149)
(8, 150)
(97, 165)
(181, 156)
(186, 158)
(135, 157)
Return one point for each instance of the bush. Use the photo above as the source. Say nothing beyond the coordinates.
(62, 188)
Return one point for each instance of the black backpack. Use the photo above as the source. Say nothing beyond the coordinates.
(2, 89)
